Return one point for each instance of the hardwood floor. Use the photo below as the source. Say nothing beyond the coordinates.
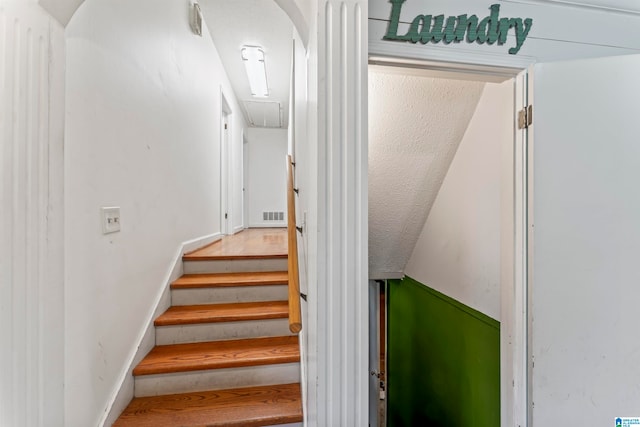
(252, 243)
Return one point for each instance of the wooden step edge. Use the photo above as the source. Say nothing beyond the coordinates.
(218, 313)
(212, 280)
(192, 258)
(248, 407)
(205, 365)
(174, 358)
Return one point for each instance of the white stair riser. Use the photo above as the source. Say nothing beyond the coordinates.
(196, 296)
(180, 334)
(216, 379)
(235, 266)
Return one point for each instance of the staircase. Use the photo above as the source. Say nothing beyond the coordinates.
(224, 355)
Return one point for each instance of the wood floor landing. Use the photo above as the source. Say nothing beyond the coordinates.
(246, 407)
(252, 243)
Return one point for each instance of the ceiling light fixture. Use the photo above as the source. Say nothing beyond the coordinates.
(253, 58)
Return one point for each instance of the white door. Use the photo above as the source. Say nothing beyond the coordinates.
(225, 182)
(585, 289)
(245, 182)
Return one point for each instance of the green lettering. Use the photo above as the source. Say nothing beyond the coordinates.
(481, 31)
(436, 29)
(467, 25)
(419, 29)
(504, 27)
(450, 30)
(394, 20)
(492, 32)
(522, 31)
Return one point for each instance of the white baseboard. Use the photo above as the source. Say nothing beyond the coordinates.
(192, 245)
(270, 224)
(123, 394)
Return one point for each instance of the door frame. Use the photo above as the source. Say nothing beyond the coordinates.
(226, 182)
(517, 217)
(245, 180)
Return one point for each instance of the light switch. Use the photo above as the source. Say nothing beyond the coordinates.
(110, 219)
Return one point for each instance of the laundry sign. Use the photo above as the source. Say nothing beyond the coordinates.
(454, 29)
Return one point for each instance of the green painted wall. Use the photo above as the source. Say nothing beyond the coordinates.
(443, 360)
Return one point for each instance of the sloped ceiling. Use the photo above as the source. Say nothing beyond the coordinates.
(415, 126)
(234, 23)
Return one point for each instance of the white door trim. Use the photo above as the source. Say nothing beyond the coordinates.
(340, 367)
(516, 175)
(226, 183)
(32, 251)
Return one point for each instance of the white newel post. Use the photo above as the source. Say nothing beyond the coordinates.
(342, 389)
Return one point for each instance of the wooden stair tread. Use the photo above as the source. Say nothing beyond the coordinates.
(192, 257)
(247, 407)
(219, 354)
(231, 279)
(231, 312)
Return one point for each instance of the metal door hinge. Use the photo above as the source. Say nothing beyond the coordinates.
(225, 126)
(525, 117)
(226, 216)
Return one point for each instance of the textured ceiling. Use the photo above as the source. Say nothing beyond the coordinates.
(415, 126)
(234, 23)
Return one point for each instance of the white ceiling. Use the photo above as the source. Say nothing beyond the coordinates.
(415, 126)
(234, 23)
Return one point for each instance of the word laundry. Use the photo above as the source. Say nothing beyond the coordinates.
(434, 29)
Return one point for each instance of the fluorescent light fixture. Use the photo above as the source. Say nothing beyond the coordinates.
(253, 58)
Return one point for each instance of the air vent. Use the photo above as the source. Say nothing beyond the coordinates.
(264, 114)
(273, 216)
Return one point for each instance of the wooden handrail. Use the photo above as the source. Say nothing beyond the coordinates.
(295, 322)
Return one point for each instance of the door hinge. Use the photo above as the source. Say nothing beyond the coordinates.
(525, 117)
(225, 126)
(226, 216)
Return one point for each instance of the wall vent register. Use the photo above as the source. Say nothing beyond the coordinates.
(273, 216)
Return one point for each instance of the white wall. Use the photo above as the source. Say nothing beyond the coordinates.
(267, 175)
(31, 216)
(586, 241)
(458, 251)
(142, 133)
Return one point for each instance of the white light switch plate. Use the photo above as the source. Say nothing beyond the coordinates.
(110, 219)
